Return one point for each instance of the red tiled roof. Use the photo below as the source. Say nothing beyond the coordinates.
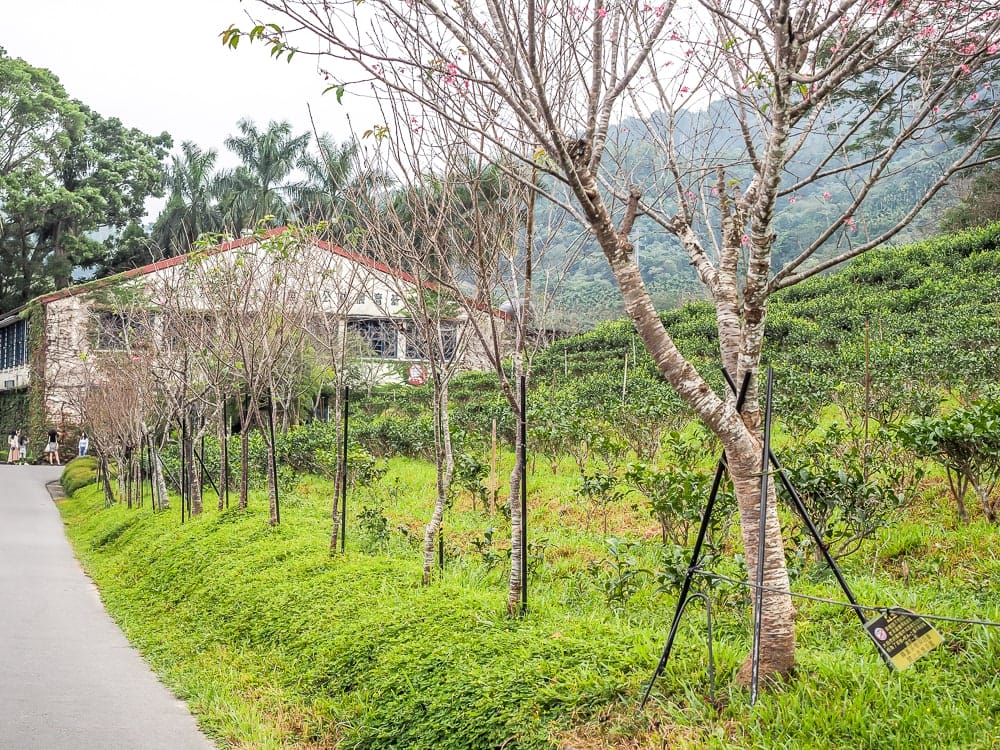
(159, 265)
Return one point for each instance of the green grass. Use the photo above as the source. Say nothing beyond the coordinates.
(275, 644)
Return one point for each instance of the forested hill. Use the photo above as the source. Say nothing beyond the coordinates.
(932, 310)
(588, 294)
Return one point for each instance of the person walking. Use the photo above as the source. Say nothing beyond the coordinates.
(84, 445)
(52, 449)
(12, 448)
(23, 446)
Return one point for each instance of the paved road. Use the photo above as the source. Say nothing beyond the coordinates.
(68, 678)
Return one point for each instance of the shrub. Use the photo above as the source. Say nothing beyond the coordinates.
(79, 473)
(675, 494)
(374, 528)
(621, 574)
(306, 447)
(967, 444)
(845, 505)
(393, 434)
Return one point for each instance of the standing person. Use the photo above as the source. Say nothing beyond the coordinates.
(52, 449)
(12, 446)
(23, 445)
(84, 445)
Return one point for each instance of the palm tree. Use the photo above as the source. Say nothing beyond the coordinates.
(260, 186)
(192, 206)
(334, 183)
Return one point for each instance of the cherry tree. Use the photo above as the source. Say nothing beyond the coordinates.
(743, 107)
(244, 305)
(407, 230)
(440, 232)
(466, 233)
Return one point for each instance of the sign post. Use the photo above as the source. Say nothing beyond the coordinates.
(902, 636)
(416, 374)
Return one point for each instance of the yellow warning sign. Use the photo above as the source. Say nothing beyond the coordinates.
(903, 636)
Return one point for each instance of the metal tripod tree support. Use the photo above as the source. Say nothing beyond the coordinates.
(706, 519)
(682, 602)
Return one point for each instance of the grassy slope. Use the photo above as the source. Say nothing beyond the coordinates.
(275, 644)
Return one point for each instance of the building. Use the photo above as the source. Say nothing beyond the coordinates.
(45, 346)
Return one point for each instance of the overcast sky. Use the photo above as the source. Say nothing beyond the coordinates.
(159, 65)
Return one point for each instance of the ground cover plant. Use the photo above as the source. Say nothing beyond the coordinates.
(276, 643)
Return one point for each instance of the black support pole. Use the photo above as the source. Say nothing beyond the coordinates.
(143, 473)
(523, 457)
(205, 473)
(225, 450)
(201, 458)
(343, 471)
(154, 488)
(183, 477)
(758, 604)
(274, 458)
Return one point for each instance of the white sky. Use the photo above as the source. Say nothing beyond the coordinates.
(160, 65)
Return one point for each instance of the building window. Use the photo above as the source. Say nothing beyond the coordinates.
(116, 331)
(447, 340)
(14, 345)
(378, 334)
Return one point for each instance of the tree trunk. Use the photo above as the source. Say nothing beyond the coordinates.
(138, 477)
(445, 470)
(516, 532)
(121, 478)
(777, 650)
(777, 646)
(161, 499)
(244, 464)
(272, 485)
(339, 346)
(271, 465)
(983, 494)
(223, 458)
(193, 467)
(959, 486)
